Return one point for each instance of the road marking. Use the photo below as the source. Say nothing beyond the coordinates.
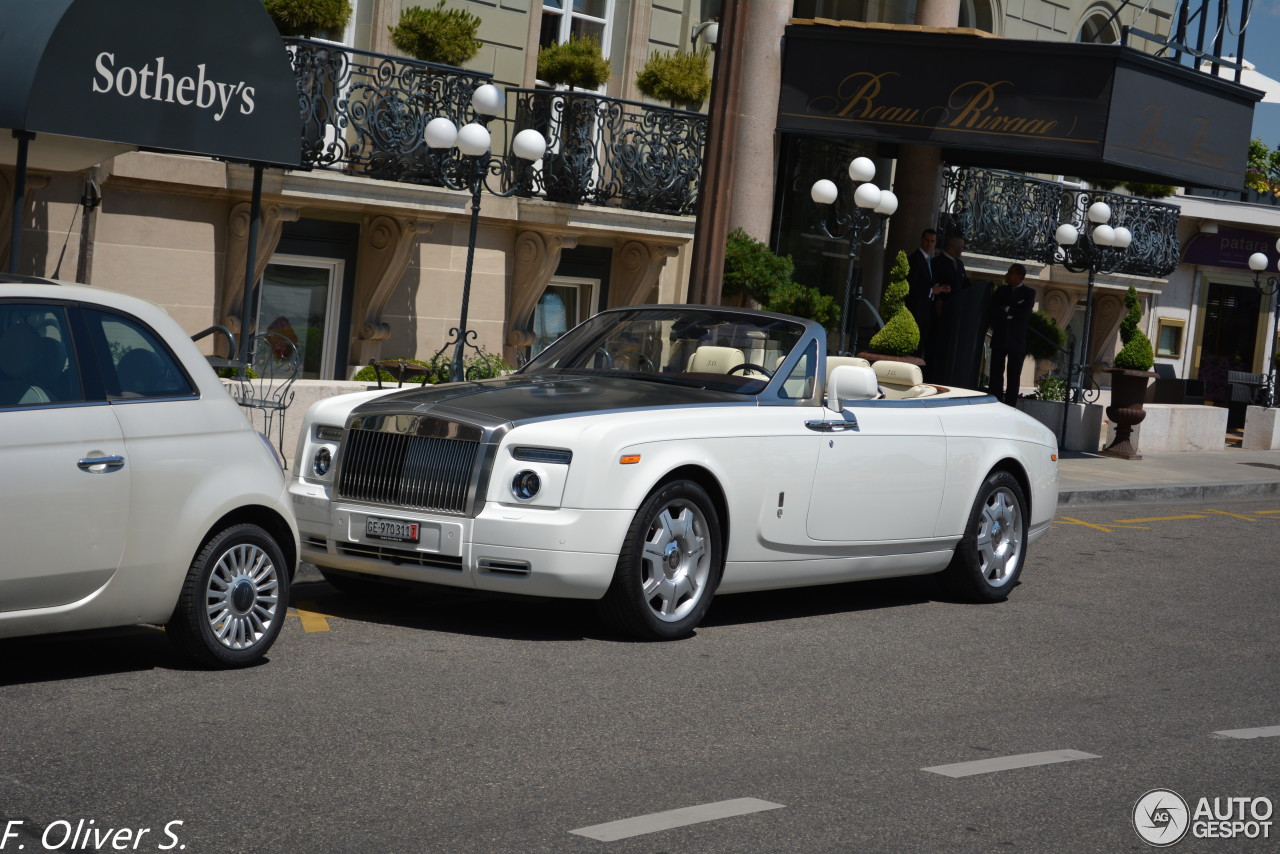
(1008, 763)
(312, 621)
(1162, 519)
(1265, 512)
(1256, 732)
(1237, 515)
(654, 822)
(1104, 529)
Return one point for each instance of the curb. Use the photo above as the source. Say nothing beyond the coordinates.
(1181, 492)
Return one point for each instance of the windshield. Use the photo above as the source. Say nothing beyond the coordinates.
(702, 347)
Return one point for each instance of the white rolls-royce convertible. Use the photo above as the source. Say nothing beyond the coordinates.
(654, 456)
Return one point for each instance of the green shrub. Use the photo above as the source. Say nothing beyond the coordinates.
(804, 301)
(751, 268)
(900, 335)
(679, 78)
(578, 63)
(1051, 387)
(1037, 347)
(309, 17)
(1136, 354)
(1148, 191)
(481, 366)
(446, 36)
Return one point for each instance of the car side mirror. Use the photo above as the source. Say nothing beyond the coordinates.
(851, 382)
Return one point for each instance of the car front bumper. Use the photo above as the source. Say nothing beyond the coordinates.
(564, 552)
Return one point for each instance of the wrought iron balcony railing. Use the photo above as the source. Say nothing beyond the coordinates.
(364, 114)
(1014, 216)
(610, 151)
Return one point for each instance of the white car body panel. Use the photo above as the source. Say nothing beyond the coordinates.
(126, 537)
(801, 505)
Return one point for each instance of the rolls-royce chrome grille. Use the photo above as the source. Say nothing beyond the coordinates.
(407, 461)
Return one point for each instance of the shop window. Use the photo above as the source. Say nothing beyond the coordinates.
(1169, 337)
(300, 299)
(564, 304)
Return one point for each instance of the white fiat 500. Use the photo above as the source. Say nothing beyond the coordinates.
(654, 456)
(133, 488)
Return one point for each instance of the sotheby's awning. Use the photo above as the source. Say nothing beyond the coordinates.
(93, 77)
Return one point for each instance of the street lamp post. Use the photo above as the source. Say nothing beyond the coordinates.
(1258, 263)
(468, 172)
(863, 225)
(1096, 248)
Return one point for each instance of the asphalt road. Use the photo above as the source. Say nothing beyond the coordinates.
(808, 719)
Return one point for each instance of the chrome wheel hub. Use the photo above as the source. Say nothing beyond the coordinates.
(999, 538)
(676, 561)
(242, 598)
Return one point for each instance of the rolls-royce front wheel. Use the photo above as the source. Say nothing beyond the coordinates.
(988, 559)
(669, 565)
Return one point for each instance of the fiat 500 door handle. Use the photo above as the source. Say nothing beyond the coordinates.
(832, 426)
(101, 464)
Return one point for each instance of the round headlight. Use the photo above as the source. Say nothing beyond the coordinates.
(525, 485)
(322, 462)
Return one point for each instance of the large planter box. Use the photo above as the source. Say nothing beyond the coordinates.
(1177, 427)
(1261, 429)
(1084, 422)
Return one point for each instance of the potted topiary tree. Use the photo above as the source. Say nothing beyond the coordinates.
(1129, 380)
(578, 64)
(753, 271)
(1045, 340)
(682, 79)
(309, 18)
(899, 338)
(437, 34)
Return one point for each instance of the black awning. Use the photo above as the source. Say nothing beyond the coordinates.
(188, 76)
(1095, 111)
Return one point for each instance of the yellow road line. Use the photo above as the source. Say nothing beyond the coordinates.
(1237, 515)
(1105, 529)
(1162, 519)
(312, 621)
(1265, 512)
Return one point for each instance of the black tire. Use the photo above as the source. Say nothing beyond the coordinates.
(361, 586)
(243, 569)
(650, 598)
(988, 559)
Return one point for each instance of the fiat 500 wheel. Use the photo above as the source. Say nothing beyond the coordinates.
(669, 565)
(989, 558)
(234, 599)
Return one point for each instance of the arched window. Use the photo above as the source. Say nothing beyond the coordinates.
(980, 14)
(1100, 27)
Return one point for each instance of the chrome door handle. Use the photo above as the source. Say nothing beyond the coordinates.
(91, 464)
(832, 426)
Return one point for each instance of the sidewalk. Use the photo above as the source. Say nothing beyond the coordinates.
(1095, 479)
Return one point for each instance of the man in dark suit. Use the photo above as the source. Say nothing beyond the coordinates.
(950, 277)
(1011, 308)
(921, 284)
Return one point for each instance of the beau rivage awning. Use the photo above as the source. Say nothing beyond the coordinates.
(91, 78)
(1096, 111)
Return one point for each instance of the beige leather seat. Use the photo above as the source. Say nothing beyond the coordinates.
(901, 380)
(715, 360)
(834, 362)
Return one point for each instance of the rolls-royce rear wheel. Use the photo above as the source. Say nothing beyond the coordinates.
(669, 565)
(989, 558)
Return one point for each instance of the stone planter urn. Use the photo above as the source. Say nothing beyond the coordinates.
(1128, 391)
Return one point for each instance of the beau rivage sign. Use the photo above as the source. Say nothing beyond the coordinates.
(1064, 107)
(190, 76)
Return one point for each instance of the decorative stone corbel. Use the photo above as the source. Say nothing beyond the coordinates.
(35, 181)
(537, 255)
(639, 266)
(386, 245)
(1058, 305)
(270, 226)
(1108, 311)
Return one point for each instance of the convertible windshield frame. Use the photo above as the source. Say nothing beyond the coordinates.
(725, 349)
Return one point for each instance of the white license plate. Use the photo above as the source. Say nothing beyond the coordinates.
(396, 530)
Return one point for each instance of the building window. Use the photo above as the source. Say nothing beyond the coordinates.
(1169, 335)
(1100, 28)
(564, 304)
(578, 19)
(301, 300)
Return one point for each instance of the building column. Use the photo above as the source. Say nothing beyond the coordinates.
(270, 227)
(537, 255)
(386, 244)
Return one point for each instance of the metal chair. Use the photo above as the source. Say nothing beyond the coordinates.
(274, 364)
(1244, 391)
